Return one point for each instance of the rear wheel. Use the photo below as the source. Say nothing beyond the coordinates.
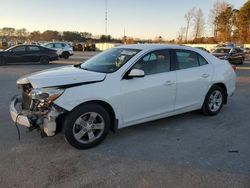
(242, 61)
(214, 101)
(87, 126)
(44, 60)
(65, 55)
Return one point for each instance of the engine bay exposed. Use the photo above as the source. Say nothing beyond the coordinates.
(39, 109)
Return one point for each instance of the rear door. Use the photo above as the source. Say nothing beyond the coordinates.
(194, 74)
(33, 54)
(59, 47)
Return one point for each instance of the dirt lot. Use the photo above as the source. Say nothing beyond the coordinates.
(188, 150)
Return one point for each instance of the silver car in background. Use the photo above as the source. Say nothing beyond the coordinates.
(64, 50)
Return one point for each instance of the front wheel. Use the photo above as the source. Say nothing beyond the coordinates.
(44, 60)
(65, 55)
(214, 101)
(87, 126)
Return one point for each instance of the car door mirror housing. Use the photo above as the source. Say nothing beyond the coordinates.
(136, 73)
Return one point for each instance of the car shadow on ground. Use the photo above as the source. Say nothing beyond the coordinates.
(28, 64)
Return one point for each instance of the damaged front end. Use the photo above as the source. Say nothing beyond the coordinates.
(35, 109)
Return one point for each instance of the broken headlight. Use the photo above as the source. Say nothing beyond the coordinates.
(46, 94)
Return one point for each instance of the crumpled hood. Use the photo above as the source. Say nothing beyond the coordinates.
(61, 76)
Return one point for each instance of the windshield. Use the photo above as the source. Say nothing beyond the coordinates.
(8, 49)
(110, 60)
(222, 50)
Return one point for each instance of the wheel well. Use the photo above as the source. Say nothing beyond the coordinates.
(224, 88)
(65, 52)
(110, 110)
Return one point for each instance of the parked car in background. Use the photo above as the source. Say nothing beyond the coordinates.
(202, 48)
(121, 87)
(233, 55)
(64, 50)
(90, 47)
(247, 51)
(28, 53)
(78, 47)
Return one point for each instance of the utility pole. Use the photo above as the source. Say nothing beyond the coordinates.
(106, 17)
(124, 32)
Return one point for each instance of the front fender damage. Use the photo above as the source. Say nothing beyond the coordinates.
(45, 121)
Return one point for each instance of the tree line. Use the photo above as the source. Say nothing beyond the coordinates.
(225, 24)
(9, 33)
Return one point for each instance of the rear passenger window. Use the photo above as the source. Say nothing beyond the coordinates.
(186, 59)
(34, 48)
(58, 45)
(202, 60)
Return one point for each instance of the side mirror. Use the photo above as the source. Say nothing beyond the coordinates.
(136, 73)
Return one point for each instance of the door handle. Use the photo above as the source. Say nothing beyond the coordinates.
(168, 83)
(205, 75)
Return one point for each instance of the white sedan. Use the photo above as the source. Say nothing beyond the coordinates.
(121, 87)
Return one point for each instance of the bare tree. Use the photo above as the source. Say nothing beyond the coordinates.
(189, 16)
(199, 24)
(218, 7)
(181, 35)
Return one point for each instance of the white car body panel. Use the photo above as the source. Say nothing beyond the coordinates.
(192, 85)
(61, 76)
(144, 99)
(140, 96)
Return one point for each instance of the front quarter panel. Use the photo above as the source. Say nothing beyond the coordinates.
(106, 91)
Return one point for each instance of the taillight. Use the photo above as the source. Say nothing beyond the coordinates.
(234, 67)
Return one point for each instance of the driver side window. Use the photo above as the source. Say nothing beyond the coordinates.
(19, 49)
(154, 62)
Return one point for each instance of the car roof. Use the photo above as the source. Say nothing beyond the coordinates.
(227, 48)
(148, 47)
(56, 42)
(24, 45)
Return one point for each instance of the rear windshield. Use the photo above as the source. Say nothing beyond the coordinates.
(222, 50)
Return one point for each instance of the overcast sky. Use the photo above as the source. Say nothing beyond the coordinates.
(140, 18)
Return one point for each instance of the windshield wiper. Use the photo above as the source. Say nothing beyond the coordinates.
(83, 68)
(79, 66)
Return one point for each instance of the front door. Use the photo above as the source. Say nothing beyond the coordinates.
(17, 54)
(151, 95)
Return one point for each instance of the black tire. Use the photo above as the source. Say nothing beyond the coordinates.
(241, 61)
(44, 60)
(2, 61)
(65, 55)
(70, 126)
(206, 108)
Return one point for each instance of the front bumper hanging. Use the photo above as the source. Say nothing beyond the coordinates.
(17, 115)
(46, 122)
